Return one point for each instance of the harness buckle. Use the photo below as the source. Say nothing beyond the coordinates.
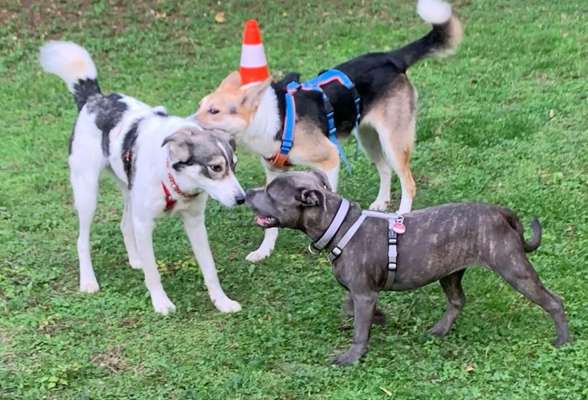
(336, 252)
(391, 266)
(279, 160)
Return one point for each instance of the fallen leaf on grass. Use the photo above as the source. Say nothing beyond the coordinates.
(219, 18)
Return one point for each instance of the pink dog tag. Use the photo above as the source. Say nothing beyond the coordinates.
(399, 226)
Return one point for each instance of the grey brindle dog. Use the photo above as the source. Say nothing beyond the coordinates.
(438, 245)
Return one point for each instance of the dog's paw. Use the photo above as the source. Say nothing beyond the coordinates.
(258, 255)
(162, 304)
(89, 286)
(438, 331)
(561, 340)
(135, 263)
(348, 358)
(226, 305)
(379, 205)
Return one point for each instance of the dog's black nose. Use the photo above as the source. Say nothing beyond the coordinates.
(240, 199)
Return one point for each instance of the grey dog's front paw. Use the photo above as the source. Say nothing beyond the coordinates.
(349, 357)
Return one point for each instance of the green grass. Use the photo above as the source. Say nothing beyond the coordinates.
(504, 121)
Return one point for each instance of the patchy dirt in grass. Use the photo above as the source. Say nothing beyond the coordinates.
(111, 360)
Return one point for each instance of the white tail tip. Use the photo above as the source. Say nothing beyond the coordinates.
(67, 60)
(435, 12)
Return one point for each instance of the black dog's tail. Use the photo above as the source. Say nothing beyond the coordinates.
(73, 64)
(443, 39)
(515, 223)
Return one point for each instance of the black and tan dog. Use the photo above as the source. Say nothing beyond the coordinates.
(438, 245)
(254, 113)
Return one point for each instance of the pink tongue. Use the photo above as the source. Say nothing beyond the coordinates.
(260, 220)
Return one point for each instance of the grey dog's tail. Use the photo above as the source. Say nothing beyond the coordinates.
(73, 64)
(535, 241)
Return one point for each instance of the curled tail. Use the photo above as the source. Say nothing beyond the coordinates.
(443, 39)
(531, 244)
(73, 64)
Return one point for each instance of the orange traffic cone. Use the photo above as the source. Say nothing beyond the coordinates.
(253, 63)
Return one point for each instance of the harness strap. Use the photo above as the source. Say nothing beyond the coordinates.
(334, 226)
(280, 159)
(338, 249)
(392, 239)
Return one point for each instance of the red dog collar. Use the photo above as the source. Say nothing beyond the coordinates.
(170, 202)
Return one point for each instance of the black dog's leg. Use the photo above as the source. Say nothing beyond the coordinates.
(379, 316)
(363, 310)
(451, 285)
(520, 274)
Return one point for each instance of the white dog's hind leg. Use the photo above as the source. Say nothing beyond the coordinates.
(196, 231)
(370, 142)
(144, 240)
(270, 236)
(84, 181)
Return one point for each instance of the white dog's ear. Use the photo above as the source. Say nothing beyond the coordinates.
(322, 177)
(252, 93)
(232, 81)
(177, 144)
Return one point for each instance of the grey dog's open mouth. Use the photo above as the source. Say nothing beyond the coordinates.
(266, 221)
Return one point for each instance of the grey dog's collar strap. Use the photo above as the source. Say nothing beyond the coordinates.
(334, 226)
(338, 249)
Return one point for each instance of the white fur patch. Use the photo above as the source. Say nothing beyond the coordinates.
(434, 11)
(67, 60)
(259, 135)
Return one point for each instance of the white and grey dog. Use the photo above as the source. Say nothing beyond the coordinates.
(163, 164)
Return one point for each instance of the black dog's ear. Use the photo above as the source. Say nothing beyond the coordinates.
(290, 76)
(311, 198)
(322, 178)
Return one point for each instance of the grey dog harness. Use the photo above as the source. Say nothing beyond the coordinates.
(394, 219)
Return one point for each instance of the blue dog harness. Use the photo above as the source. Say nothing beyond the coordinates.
(315, 85)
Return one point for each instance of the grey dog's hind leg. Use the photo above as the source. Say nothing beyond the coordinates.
(451, 285)
(379, 316)
(520, 274)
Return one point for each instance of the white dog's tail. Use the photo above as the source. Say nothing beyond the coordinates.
(73, 64)
(443, 39)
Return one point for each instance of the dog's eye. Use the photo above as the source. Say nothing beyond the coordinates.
(216, 168)
(213, 110)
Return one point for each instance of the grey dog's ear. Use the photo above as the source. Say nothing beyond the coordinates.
(227, 137)
(311, 198)
(178, 143)
(178, 136)
(322, 177)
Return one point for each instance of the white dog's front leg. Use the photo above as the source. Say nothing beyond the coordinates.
(143, 237)
(196, 231)
(270, 236)
(126, 227)
(333, 176)
(266, 247)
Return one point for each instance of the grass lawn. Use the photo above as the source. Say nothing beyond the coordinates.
(504, 121)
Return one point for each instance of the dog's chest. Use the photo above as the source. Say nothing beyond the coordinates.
(265, 145)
